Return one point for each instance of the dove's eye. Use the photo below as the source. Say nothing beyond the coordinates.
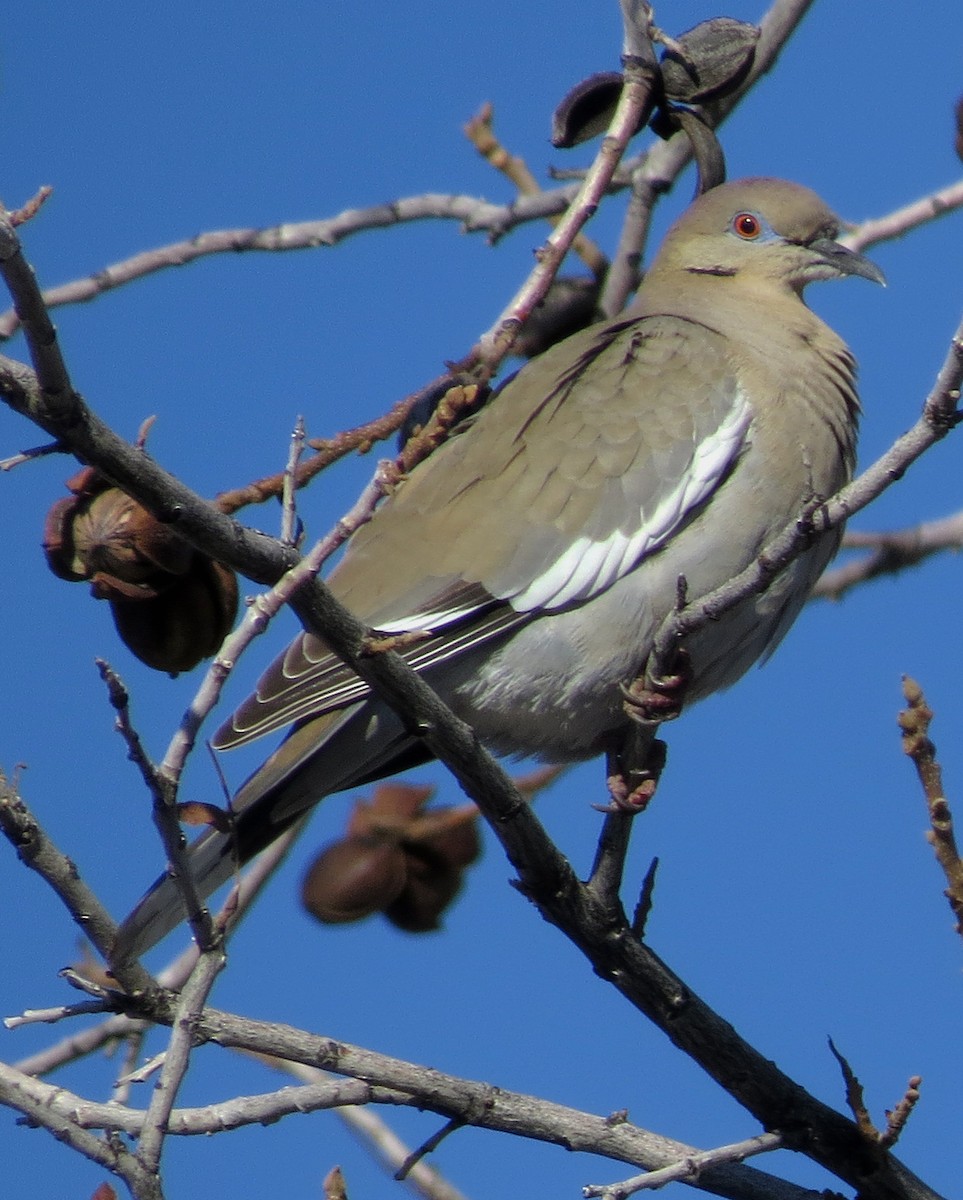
(747, 225)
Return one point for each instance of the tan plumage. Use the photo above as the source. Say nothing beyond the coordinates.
(542, 544)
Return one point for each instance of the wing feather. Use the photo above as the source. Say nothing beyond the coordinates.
(536, 507)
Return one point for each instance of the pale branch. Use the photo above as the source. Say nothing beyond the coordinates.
(140, 1074)
(190, 1006)
(219, 1117)
(78, 1045)
(59, 1012)
(20, 1092)
(132, 1045)
(902, 220)
(686, 1170)
(37, 851)
(376, 1136)
(515, 1113)
(474, 1103)
(474, 214)
(487, 1107)
(888, 552)
(289, 520)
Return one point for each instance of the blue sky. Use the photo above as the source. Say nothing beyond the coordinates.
(797, 894)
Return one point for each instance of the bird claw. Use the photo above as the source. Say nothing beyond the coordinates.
(630, 801)
(650, 701)
(632, 787)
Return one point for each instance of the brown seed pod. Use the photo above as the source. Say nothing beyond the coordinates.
(354, 878)
(171, 605)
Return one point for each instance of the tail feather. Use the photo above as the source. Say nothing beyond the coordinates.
(328, 754)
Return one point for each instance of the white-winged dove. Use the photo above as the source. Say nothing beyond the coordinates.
(542, 545)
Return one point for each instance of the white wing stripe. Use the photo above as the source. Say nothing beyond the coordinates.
(587, 567)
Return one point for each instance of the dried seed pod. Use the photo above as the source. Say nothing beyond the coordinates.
(569, 306)
(586, 110)
(185, 623)
(354, 878)
(441, 844)
(429, 888)
(171, 605)
(713, 59)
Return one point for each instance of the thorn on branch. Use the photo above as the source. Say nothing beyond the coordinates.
(895, 1119)
(641, 915)
(854, 1096)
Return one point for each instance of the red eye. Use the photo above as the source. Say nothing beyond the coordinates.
(747, 225)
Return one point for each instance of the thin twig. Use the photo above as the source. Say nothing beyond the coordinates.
(888, 552)
(428, 1146)
(644, 906)
(897, 1118)
(163, 794)
(481, 133)
(50, 1016)
(16, 460)
(688, 1169)
(38, 852)
(635, 102)
(900, 221)
(914, 721)
(289, 519)
(186, 1018)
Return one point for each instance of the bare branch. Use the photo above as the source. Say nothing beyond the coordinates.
(888, 553)
(897, 1118)
(188, 1013)
(25, 1095)
(914, 721)
(473, 1103)
(687, 1170)
(902, 220)
(37, 852)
